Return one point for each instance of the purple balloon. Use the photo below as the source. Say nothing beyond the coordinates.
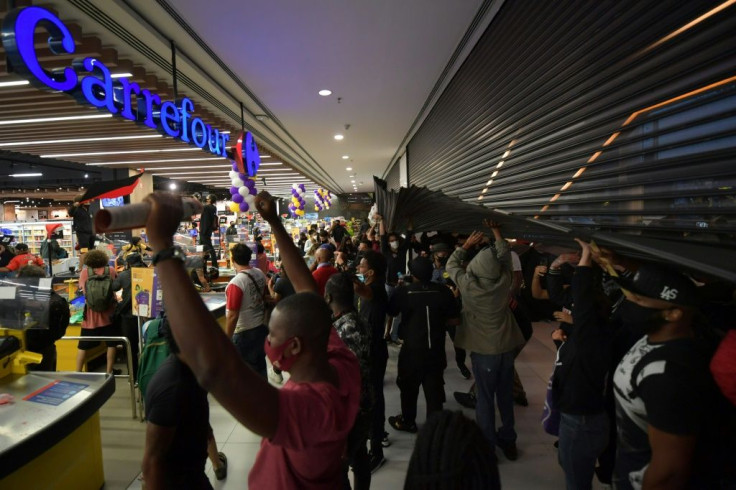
(237, 198)
(233, 190)
(244, 207)
(242, 177)
(249, 183)
(253, 191)
(302, 188)
(235, 167)
(294, 193)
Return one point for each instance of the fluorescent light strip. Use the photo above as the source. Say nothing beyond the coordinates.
(156, 169)
(26, 175)
(124, 152)
(15, 83)
(121, 75)
(81, 140)
(142, 162)
(271, 164)
(54, 119)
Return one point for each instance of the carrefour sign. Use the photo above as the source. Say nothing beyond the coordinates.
(175, 119)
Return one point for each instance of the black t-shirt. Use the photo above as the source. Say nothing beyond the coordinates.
(208, 220)
(174, 399)
(6, 257)
(583, 360)
(283, 287)
(425, 309)
(82, 220)
(395, 260)
(666, 385)
(374, 311)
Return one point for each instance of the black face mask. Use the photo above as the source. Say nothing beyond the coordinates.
(641, 319)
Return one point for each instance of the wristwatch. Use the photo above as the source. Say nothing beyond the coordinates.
(169, 253)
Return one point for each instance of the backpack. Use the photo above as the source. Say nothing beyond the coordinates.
(45, 249)
(98, 292)
(155, 351)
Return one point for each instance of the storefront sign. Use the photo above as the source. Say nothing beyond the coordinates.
(175, 119)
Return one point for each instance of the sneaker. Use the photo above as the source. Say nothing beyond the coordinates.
(464, 371)
(521, 400)
(385, 442)
(221, 472)
(467, 400)
(377, 460)
(399, 423)
(509, 449)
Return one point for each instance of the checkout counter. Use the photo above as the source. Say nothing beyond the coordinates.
(49, 421)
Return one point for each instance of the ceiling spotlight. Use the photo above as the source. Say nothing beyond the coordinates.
(339, 137)
(172, 186)
(352, 181)
(345, 157)
(86, 176)
(324, 92)
(348, 168)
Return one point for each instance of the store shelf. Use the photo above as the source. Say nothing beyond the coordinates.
(34, 233)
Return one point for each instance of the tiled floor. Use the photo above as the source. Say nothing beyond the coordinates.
(536, 468)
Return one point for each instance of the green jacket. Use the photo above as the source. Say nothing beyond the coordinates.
(488, 326)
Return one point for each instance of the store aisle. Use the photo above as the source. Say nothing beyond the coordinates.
(536, 468)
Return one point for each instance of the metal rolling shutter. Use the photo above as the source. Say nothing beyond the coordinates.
(393, 178)
(612, 116)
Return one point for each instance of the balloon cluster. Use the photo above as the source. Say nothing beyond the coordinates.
(322, 199)
(297, 200)
(243, 191)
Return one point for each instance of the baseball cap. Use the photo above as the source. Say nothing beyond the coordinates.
(440, 247)
(662, 283)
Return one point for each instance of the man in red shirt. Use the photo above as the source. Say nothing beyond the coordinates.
(324, 269)
(22, 258)
(305, 424)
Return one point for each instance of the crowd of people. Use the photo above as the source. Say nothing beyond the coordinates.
(643, 390)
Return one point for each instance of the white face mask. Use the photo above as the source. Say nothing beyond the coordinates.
(393, 244)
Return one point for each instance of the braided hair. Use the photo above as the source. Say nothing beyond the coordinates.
(451, 453)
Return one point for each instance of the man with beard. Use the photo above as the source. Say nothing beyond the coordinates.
(664, 394)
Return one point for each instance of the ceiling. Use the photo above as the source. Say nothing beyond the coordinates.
(384, 61)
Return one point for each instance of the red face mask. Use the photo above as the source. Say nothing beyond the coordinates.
(275, 354)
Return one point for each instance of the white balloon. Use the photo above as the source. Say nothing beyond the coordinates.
(237, 182)
(294, 186)
(233, 174)
(243, 191)
(251, 200)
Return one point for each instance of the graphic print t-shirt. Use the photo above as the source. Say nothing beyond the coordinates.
(660, 384)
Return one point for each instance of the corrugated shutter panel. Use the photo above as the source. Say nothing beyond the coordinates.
(608, 115)
(393, 178)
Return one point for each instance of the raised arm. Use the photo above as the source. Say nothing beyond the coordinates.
(204, 347)
(299, 274)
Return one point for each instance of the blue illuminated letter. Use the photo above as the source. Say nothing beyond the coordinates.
(98, 92)
(18, 30)
(123, 94)
(169, 113)
(184, 116)
(145, 111)
(199, 132)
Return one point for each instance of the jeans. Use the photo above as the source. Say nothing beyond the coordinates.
(250, 347)
(582, 439)
(494, 379)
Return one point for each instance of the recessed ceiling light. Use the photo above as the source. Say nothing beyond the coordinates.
(345, 157)
(352, 181)
(339, 137)
(172, 186)
(324, 92)
(348, 168)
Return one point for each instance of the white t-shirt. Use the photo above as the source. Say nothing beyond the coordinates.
(516, 261)
(243, 296)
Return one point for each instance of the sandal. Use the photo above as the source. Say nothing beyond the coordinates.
(221, 472)
(399, 423)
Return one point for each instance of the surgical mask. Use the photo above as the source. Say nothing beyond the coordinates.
(360, 277)
(394, 244)
(276, 354)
